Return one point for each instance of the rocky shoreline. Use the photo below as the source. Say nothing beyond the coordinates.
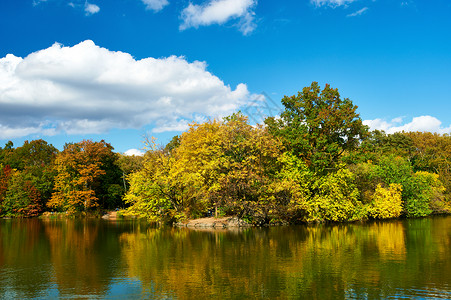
(224, 222)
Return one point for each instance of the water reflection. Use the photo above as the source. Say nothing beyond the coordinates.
(96, 258)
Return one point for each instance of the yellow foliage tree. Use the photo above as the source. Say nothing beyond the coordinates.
(225, 164)
(386, 202)
(335, 198)
(433, 191)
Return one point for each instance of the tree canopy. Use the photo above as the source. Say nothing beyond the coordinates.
(318, 126)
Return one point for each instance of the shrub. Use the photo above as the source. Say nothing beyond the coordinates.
(387, 202)
(335, 198)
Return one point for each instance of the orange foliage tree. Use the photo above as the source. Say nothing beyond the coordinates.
(79, 170)
(5, 175)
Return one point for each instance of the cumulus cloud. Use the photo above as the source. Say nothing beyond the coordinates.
(155, 5)
(422, 123)
(358, 13)
(88, 89)
(331, 3)
(91, 9)
(220, 12)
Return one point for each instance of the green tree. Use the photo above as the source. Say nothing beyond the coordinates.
(422, 192)
(22, 198)
(109, 188)
(173, 143)
(5, 151)
(129, 164)
(37, 153)
(318, 126)
(35, 160)
(433, 154)
(378, 144)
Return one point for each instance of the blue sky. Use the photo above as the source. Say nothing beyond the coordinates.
(120, 69)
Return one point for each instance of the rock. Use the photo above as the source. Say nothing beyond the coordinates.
(212, 222)
(236, 222)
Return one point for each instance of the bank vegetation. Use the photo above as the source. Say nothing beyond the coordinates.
(316, 162)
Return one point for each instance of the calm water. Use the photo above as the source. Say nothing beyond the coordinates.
(107, 259)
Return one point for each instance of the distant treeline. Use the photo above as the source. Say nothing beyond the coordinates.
(316, 162)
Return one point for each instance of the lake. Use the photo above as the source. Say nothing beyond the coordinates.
(130, 259)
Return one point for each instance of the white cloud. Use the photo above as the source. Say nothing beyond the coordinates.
(176, 125)
(397, 120)
(88, 89)
(7, 132)
(407, 3)
(331, 3)
(91, 9)
(88, 8)
(135, 152)
(155, 5)
(358, 13)
(220, 12)
(37, 2)
(422, 123)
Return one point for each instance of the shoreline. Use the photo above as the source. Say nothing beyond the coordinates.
(207, 223)
(212, 222)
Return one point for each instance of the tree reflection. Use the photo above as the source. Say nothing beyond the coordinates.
(84, 256)
(24, 259)
(93, 258)
(355, 260)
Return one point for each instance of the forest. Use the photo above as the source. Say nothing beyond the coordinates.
(316, 162)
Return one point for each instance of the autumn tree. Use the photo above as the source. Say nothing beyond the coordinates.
(247, 185)
(158, 191)
(433, 154)
(228, 166)
(318, 126)
(5, 176)
(80, 168)
(335, 197)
